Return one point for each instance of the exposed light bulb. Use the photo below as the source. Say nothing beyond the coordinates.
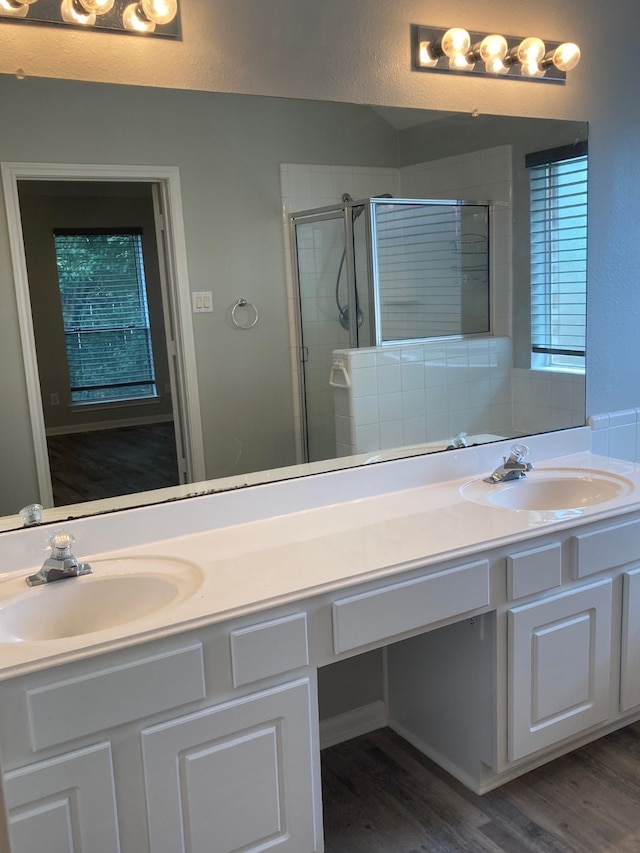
(565, 57)
(160, 11)
(15, 9)
(492, 47)
(98, 7)
(134, 20)
(73, 13)
(531, 51)
(425, 58)
(455, 41)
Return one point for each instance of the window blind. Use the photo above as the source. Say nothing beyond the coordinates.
(433, 269)
(558, 252)
(106, 316)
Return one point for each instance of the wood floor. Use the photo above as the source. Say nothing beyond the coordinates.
(381, 795)
(88, 466)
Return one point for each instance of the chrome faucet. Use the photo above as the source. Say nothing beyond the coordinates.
(513, 468)
(458, 441)
(61, 564)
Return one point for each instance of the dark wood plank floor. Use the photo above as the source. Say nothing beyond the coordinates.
(88, 466)
(381, 795)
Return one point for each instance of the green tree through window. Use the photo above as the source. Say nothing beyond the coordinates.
(106, 316)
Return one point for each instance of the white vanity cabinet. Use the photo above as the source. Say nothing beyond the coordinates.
(233, 777)
(559, 664)
(159, 749)
(497, 658)
(65, 804)
(630, 652)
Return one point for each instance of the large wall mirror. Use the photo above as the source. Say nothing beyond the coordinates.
(271, 348)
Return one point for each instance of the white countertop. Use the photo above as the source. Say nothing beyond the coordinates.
(253, 565)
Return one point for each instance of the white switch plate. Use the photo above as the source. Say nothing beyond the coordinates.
(202, 302)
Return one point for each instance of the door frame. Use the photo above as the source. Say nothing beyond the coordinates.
(176, 295)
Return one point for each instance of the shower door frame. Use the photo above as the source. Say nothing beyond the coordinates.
(342, 212)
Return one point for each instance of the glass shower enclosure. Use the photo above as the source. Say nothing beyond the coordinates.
(377, 271)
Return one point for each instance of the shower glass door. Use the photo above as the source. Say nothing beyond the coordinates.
(323, 263)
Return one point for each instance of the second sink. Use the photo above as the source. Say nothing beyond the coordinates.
(550, 489)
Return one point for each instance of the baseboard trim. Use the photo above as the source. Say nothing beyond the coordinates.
(105, 425)
(360, 721)
(458, 773)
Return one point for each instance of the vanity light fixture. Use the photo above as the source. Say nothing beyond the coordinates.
(15, 8)
(492, 54)
(141, 17)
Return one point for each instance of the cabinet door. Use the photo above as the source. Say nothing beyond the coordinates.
(630, 668)
(559, 665)
(238, 776)
(66, 804)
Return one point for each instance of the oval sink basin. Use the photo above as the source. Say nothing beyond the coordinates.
(550, 489)
(118, 592)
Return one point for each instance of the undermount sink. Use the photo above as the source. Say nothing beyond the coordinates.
(118, 592)
(550, 490)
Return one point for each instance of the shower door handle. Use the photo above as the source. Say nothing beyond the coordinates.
(304, 354)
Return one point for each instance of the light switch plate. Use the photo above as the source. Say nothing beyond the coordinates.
(202, 302)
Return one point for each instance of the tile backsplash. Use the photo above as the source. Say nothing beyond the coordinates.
(616, 434)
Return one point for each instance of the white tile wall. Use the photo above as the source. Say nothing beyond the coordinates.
(545, 399)
(423, 392)
(616, 434)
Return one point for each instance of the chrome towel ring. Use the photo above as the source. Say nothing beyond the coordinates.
(248, 318)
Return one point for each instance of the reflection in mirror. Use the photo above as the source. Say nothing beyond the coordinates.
(417, 270)
(243, 160)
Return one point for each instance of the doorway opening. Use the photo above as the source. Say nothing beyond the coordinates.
(107, 340)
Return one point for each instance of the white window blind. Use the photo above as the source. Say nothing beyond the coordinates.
(558, 180)
(106, 316)
(433, 269)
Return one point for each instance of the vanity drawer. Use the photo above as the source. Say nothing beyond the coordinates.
(534, 570)
(269, 648)
(383, 613)
(605, 549)
(71, 708)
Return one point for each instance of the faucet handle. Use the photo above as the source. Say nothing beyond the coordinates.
(60, 543)
(458, 441)
(31, 514)
(519, 453)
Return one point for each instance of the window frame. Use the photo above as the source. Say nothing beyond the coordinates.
(549, 355)
(149, 379)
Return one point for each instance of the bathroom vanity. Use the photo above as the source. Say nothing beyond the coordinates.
(511, 636)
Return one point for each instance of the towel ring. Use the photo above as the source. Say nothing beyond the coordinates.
(242, 303)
